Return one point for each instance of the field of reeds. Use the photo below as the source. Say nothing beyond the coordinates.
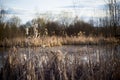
(87, 64)
(56, 41)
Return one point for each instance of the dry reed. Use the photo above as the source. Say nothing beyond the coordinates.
(56, 41)
(55, 65)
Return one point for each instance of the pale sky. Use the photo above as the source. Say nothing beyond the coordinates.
(27, 9)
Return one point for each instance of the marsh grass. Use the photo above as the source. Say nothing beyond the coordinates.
(55, 65)
(56, 41)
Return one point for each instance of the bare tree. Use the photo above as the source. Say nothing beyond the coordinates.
(114, 14)
(14, 20)
(2, 11)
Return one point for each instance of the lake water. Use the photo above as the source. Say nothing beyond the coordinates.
(84, 51)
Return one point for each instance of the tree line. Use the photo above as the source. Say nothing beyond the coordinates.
(50, 28)
(108, 26)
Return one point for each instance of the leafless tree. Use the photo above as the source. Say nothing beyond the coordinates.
(2, 11)
(114, 14)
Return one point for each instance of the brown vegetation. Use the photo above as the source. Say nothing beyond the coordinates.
(55, 65)
(56, 41)
(54, 33)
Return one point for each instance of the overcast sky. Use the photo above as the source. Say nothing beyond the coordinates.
(27, 9)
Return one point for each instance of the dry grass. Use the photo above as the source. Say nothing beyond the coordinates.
(56, 41)
(55, 65)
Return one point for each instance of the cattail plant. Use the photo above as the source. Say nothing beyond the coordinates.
(88, 64)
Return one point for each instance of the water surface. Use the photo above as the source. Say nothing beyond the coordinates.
(84, 51)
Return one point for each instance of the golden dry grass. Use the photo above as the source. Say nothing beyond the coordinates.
(56, 41)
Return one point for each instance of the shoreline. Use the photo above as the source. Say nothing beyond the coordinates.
(57, 41)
